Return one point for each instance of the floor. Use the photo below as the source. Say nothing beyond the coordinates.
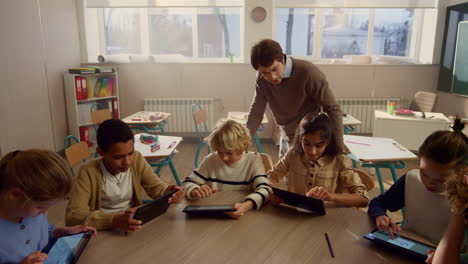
(184, 163)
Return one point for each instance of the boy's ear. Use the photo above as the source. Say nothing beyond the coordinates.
(100, 151)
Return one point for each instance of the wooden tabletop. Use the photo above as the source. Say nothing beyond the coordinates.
(146, 118)
(273, 234)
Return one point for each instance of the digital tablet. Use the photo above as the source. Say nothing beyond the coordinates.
(208, 210)
(407, 245)
(153, 209)
(67, 249)
(301, 201)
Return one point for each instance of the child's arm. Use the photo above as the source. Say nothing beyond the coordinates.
(63, 231)
(150, 182)
(260, 185)
(280, 170)
(78, 209)
(34, 258)
(346, 199)
(448, 250)
(195, 185)
(393, 199)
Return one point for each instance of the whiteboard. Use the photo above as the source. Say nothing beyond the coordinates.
(460, 67)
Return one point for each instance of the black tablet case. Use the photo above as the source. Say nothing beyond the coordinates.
(301, 201)
(154, 209)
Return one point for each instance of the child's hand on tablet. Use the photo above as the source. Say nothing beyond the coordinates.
(203, 191)
(34, 258)
(125, 221)
(274, 199)
(241, 209)
(177, 197)
(387, 224)
(320, 193)
(430, 256)
(63, 231)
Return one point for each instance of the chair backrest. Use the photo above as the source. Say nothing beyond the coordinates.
(365, 179)
(75, 153)
(200, 119)
(423, 101)
(267, 161)
(101, 115)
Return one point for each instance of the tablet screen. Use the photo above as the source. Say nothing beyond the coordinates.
(63, 251)
(402, 242)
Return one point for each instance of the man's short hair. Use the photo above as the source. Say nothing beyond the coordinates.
(113, 131)
(265, 53)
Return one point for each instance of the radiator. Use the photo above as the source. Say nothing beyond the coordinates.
(363, 109)
(180, 122)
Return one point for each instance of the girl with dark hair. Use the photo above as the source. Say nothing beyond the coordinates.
(316, 166)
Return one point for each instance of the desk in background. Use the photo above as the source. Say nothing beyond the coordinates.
(378, 153)
(273, 234)
(409, 130)
(349, 123)
(241, 117)
(147, 121)
(162, 156)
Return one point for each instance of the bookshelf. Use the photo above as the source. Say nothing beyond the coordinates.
(101, 90)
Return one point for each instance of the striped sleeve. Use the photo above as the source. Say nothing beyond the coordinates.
(195, 180)
(259, 184)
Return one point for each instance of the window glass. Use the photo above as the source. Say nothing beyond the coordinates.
(122, 31)
(295, 29)
(392, 31)
(345, 32)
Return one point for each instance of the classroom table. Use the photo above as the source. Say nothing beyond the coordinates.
(273, 234)
(350, 123)
(242, 117)
(147, 121)
(161, 157)
(375, 152)
(409, 130)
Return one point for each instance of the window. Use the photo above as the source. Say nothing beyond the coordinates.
(194, 33)
(295, 29)
(344, 32)
(122, 30)
(392, 31)
(170, 31)
(330, 33)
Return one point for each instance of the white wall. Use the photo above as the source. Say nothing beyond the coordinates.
(39, 41)
(234, 83)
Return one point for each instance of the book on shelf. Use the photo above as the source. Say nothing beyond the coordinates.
(102, 69)
(82, 70)
(79, 90)
(109, 86)
(115, 109)
(97, 87)
(102, 93)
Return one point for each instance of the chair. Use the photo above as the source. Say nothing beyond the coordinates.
(99, 116)
(200, 119)
(423, 101)
(75, 153)
(365, 179)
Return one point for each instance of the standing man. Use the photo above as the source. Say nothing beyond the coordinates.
(292, 88)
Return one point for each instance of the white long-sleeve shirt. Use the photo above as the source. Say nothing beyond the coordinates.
(248, 173)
